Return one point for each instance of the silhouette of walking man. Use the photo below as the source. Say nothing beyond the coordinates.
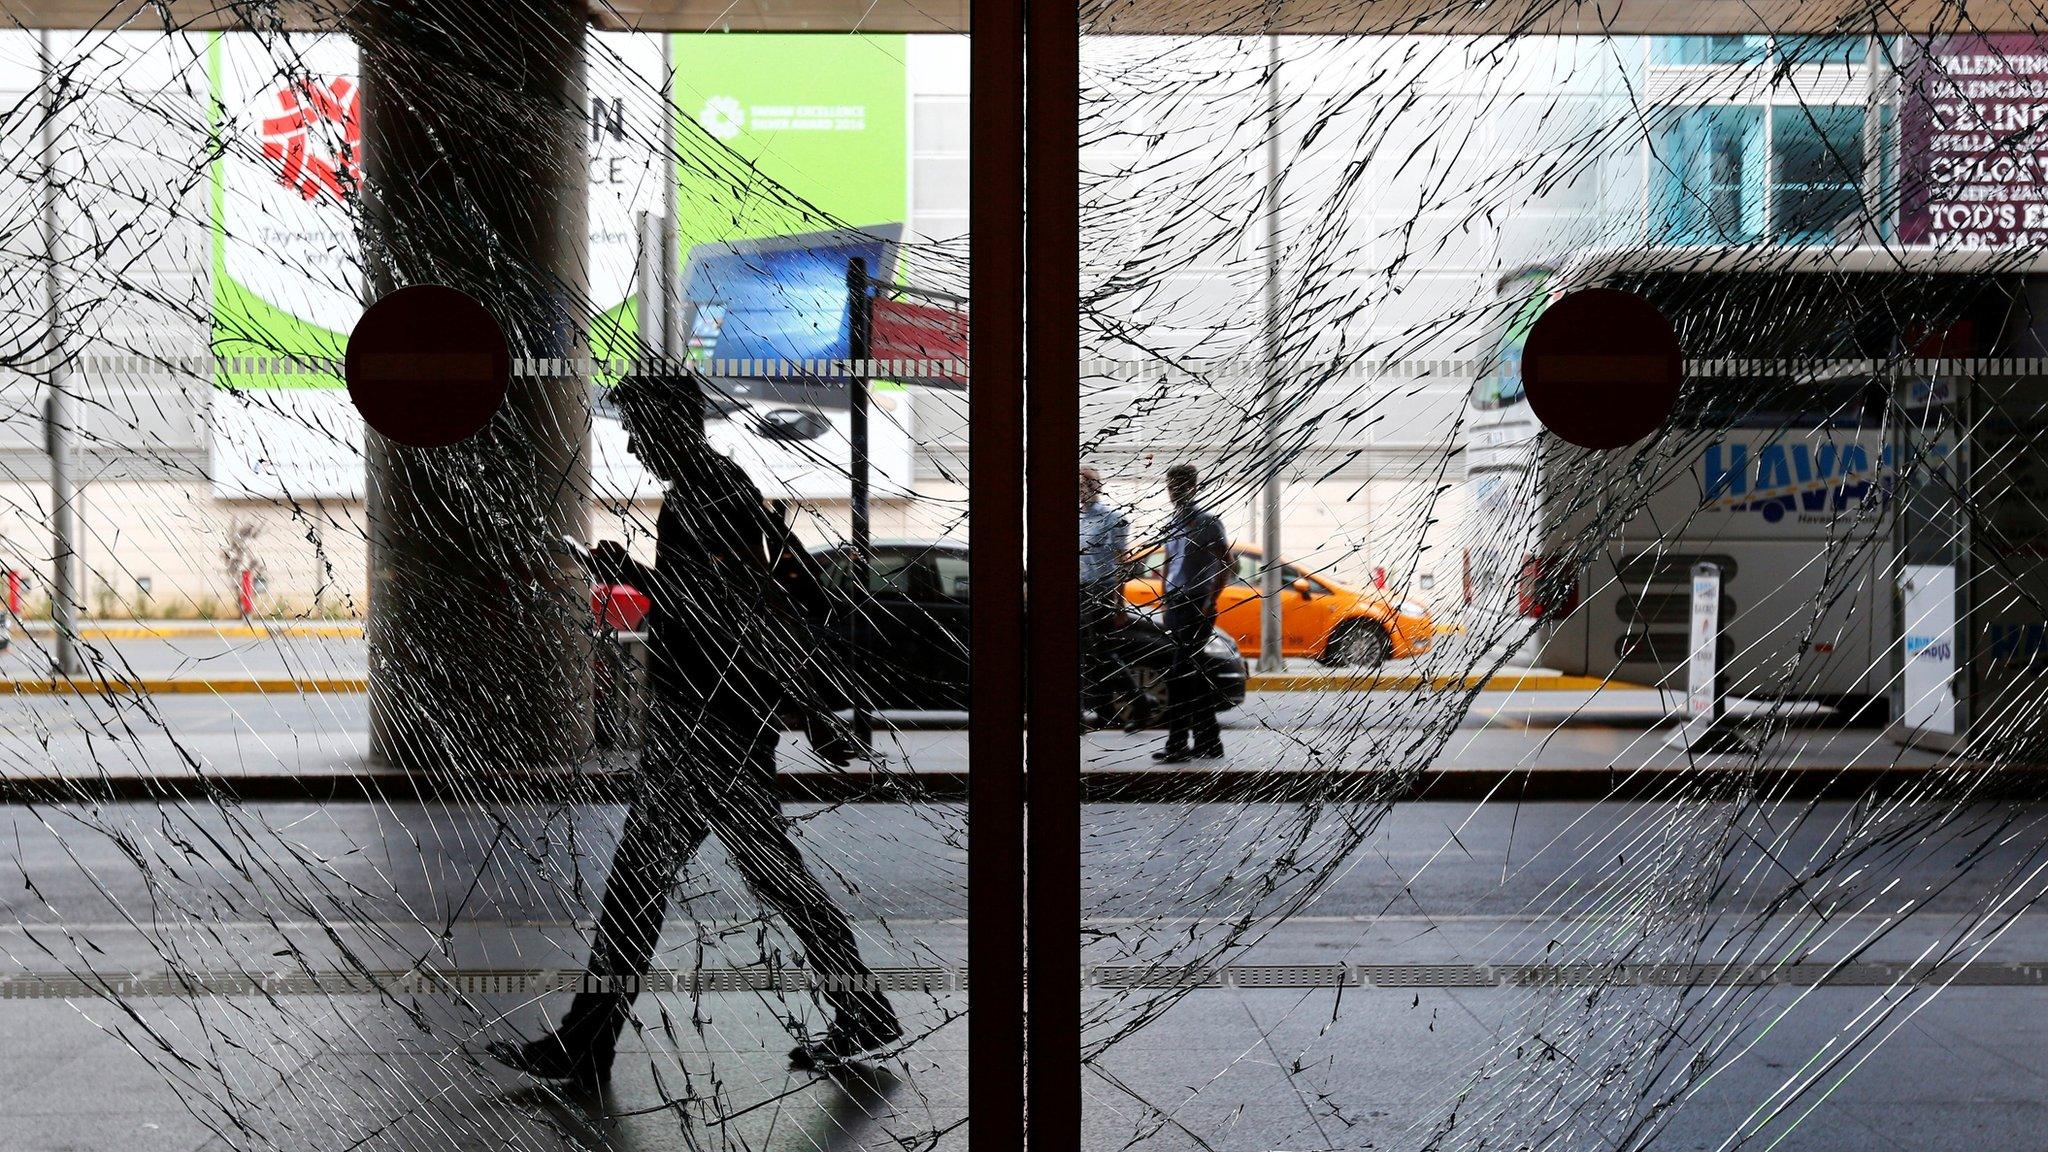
(729, 647)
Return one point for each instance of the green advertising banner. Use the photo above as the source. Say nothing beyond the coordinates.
(821, 119)
(784, 135)
(285, 272)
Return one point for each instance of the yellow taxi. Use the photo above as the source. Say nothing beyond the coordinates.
(1331, 622)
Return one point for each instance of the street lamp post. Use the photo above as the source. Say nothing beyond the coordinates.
(671, 254)
(860, 331)
(57, 413)
(1270, 618)
(652, 322)
(1873, 142)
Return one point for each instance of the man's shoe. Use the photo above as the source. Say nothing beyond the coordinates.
(849, 1038)
(1172, 755)
(1209, 751)
(552, 1058)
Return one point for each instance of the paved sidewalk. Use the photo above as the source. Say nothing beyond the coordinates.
(1282, 745)
(236, 657)
(1373, 1064)
(193, 709)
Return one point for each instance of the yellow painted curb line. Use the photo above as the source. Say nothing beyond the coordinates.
(1356, 682)
(225, 632)
(1260, 682)
(188, 685)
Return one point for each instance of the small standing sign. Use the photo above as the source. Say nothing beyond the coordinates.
(1706, 727)
(1702, 701)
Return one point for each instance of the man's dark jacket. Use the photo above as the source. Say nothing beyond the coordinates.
(737, 622)
(1206, 556)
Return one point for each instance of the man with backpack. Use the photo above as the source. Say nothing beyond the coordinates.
(733, 645)
(1198, 563)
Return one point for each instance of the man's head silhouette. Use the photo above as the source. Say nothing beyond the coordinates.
(664, 419)
(1182, 482)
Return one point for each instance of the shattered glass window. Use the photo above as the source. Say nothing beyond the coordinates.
(495, 548)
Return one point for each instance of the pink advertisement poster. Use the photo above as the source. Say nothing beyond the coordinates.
(1973, 131)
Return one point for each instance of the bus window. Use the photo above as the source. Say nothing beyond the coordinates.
(1502, 386)
(1784, 405)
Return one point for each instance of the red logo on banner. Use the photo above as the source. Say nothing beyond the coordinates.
(316, 137)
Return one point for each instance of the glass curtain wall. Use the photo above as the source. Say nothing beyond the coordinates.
(563, 785)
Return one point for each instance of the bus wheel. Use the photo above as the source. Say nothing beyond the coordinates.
(1357, 644)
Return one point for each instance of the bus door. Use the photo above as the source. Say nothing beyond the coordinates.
(2004, 646)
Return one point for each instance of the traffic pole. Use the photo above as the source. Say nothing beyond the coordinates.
(860, 329)
(671, 289)
(1271, 618)
(57, 411)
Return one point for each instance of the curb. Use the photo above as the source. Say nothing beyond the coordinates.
(1728, 784)
(186, 686)
(142, 631)
(1261, 682)
(1369, 682)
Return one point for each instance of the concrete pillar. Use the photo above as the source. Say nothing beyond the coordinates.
(474, 163)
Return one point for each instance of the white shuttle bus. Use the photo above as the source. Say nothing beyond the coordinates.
(1783, 489)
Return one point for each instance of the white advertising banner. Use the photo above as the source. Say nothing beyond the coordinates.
(1928, 592)
(288, 282)
(287, 235)
(287, 444)
(628, 116)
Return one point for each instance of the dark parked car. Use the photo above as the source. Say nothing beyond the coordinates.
(911, 637)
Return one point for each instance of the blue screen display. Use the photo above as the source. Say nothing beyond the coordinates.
(782, 299)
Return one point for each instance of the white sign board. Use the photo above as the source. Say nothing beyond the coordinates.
(792, 451)
(1703, 666)
(1929, 595)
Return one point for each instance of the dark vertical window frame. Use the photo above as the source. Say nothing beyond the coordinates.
(1052, 344)
(995, 742)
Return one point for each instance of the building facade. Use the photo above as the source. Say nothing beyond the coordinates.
(1401, 178)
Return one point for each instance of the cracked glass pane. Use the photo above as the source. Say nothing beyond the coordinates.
(1559, 577)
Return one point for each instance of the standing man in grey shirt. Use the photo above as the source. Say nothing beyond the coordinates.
(1198, 563)
(1104, 539)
